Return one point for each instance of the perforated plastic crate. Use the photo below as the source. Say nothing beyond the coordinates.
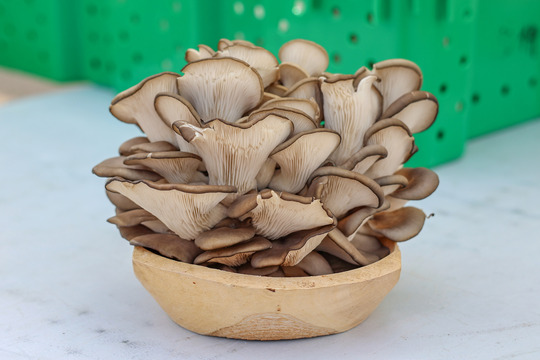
(436, 35)
(126, 41)
(40, 36)
(506, 77)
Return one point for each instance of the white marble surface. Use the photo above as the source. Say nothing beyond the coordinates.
(469, 289)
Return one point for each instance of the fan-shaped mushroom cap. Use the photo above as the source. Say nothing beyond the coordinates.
(176, 167)
(204, 52)
(291, 249)
(398, 77)
(265, 174)
(398, 141)
(306, 89)
(400, 225)
(250, 270)
(274, 90)
(338, 245)
(125, 147)
(417, 110)
(308, 106)
(370, 245)
(121, 202)
(299, 156)
(290, 74)
(223, 237)
(225, 43)
(136, 106)
(362, 160)
(259, 58)
(115, 167)
(151, 147)
(315, 264)
(276, 215)
(187, 210)
(131, 217)
(221, 88)
(341, 190)
(350, 224)
(169, 245)
(391, 183)
(131, 232)
(235, 153)
(310, 56)
(422, 182)
(173, 107)
(350, 113)
(234, 255)
(301, 121)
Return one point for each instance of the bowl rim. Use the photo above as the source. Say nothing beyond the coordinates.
(386, 265)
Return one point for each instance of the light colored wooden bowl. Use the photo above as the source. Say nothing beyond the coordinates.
(219, 303)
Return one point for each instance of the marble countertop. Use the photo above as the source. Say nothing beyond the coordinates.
(469, 286)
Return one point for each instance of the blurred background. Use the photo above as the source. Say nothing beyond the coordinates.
(480, 58)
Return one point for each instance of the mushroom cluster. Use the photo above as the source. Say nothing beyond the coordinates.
(267, 167)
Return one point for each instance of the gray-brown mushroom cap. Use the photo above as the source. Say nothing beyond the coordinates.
(421, 182)
(399, 225)
(168, 245)
(417, 110)
(221, 88)
(223, 237)
(187, 210)
(310, 56)
(136, 105)
(234, 255)
(116, 167)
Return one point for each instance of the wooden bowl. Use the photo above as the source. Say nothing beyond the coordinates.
(219, 303)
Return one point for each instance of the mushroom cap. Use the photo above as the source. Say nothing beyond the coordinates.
(350, 112)
(221, 88)
(115, 167)
(187, 210)
(235, 153)
(421, 182)
(306, 89)
(151, 147)
(136, 106)
(309, 55)
(259, 58)
(301, 121)
(338, 245)
(176, 167)
(391, 183)
(352, 222)
(168, 245)
(341, 190)
(131, 217)
(417, 110)
(125, 147)
(362, 160)
(399, 225)
(299, 156)
(396, 137)
(307, 106)
(277, 215)
(234, 255)
(204, 52)
(223, 237)
(315, 264)
(398, 77)
(290, 74)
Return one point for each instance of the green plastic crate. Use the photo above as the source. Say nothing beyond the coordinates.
(506, 78)
(436, 35)
(125, 41)
(40, 36)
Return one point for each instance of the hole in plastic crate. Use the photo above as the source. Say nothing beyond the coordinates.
(369, 18)
(337, 58)
(445, 41)
(475, 98)
(505, 89)
(238, 8)
(137, 57)
(532, 82)
(164, 25)
(353, 38)
(32, 35)
(440, 135)
(259, 12)
(123, 35)
(463, 60)
(95, 63)
(299, 7)
(459, 106)
(370, 63)
(443, 88)
(135, 18)
(467, 14)
(176, 6)
(336, 13)
(92, 9)
(283, 25)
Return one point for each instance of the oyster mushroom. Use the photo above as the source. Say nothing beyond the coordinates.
(307, 106)
(308, 55)
(136, 106)
(169, 245)
(116, 167)
(187, 210)
(234, 255)
(221, 88)
(399, 225)
(417, 110)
